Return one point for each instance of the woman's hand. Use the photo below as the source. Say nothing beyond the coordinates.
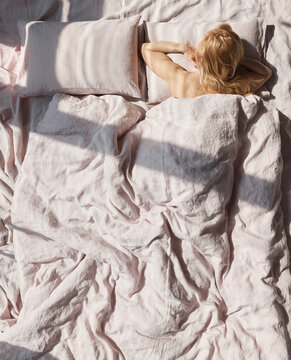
(190, 53)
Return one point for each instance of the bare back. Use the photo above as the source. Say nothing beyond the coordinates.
(187, 85)
(183, 84)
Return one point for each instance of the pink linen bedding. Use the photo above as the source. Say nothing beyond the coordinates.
(124, 246)
(70, 57)
(154, 246)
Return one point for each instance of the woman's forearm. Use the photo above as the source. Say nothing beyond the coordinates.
(256, 66)
(165, 47)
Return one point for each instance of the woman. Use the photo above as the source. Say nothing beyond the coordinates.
(219, 58)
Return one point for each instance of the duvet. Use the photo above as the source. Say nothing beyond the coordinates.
(151, 237)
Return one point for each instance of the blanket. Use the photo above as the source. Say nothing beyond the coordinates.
(150, 238)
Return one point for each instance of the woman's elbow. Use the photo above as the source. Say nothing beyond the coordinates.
(146, 53)
(143, 51)
(144, 47)
(265, 79)
(269, 74)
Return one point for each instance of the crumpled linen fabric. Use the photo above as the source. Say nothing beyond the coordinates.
(156, 244)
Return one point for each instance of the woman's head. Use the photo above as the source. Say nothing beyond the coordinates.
(218, 56)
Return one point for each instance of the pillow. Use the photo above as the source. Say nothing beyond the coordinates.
(251, 33)
(88, 57)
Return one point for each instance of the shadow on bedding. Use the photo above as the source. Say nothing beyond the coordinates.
(50, 10)
(269, 35)
(181, 163)
(4, 253)
(10, 352)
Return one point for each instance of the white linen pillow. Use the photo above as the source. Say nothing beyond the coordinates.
(88, 57)
(251, 32)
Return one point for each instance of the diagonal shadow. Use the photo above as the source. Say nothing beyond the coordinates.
(97, 138)
(4, 253)
(10, 352)
(184, 154)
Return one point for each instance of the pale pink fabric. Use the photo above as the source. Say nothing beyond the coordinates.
(79, 58)
(122, 234)
(77, 303)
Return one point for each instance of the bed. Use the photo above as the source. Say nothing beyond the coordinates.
(136, 225)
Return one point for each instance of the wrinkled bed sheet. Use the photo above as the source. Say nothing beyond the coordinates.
(124, 246)
(244, 289)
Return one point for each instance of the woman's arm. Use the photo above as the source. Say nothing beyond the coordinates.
(154, 55)
(256, 66)
(262, 73)
(165, 47)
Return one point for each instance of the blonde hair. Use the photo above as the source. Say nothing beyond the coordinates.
(218, 57)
